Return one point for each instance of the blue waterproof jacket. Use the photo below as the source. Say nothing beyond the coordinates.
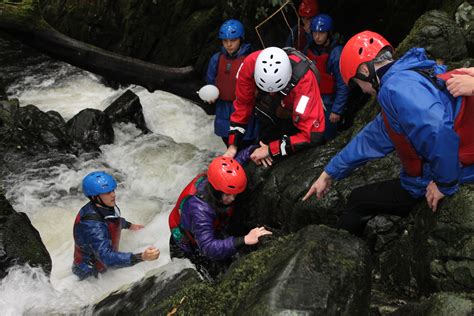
(334, 103)
(416, 108)
(198, 217)
(225, 108)
(94, 240)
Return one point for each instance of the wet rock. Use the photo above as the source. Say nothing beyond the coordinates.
(439, 35)
(439, 304)
(318, 271)
(147, 293)
(465, 19)
(436, 253)
(90, 129)
(20, 242)
(127, 109)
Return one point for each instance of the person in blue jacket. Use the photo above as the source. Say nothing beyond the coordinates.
(417, 119)
(325, 50)
(199, 222)
(97, 230)
(222, 71)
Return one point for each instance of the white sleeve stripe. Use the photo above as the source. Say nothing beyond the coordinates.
(238, 129)
(301, 107)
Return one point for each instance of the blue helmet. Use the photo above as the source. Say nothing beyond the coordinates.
(321, 23)
(98, 182)
(231, 29)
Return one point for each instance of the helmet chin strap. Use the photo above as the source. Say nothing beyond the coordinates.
(371, 77)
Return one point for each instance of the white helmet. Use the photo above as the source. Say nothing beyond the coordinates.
(272, 69)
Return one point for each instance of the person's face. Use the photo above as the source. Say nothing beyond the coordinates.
(108, 198)
(365, 86)
(320, 38)
(306, 23)
(228, 199)
(231, 45)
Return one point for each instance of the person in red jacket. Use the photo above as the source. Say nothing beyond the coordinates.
(282, 88)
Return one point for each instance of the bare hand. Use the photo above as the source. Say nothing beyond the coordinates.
(261, 156)
(136, 227)
(320, 187)
(252, 237)
(334, 117)
(231, 151)
(461, 85)
(433, 196)
(151, 253)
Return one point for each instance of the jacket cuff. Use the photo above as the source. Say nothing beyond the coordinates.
(127, 225)
(136, 258)
(239, 242)
(447, 190)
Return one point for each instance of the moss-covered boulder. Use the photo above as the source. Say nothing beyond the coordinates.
(318, 271)
(439, 304)
(465, 19)
(436, 251)
(157, 286)
(438, 33)
(20, 242)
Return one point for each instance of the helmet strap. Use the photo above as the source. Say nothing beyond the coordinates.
(371, 77)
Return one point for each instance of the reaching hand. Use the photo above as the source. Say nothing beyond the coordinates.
(261, 156)
(460, 84)
(433, 196)
(136, 227)
(252, 237)
(151, 253)
(320, 187)
(231, 151)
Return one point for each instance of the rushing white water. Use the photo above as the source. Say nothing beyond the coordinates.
(151, 170)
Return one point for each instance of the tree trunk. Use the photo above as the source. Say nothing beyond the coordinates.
(24, 20)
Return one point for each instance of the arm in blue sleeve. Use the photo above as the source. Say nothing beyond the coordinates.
(342, 91)
(100, 242)
(212, 69)
(371, 143)
(204, 233)
(427, 123)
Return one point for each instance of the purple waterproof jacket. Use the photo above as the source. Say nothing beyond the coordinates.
(198, 217)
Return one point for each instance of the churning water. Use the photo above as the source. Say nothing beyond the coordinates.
(151, 170)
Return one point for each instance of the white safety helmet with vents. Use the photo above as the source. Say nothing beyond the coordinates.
(272, 69)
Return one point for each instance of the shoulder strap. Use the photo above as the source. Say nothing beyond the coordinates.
(93, 217)
(299, 69)
(431, 76)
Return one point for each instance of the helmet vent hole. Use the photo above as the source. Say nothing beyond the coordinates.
(360, 51)
(278, 81)
(231, 186)
(262, 80)
(237, 168)
(276, 70)
(224, 164)
(271, 56)
(278, 62)
(371, 41)
(264, 61)
(229, 171)
(280, 86)
(264, 70)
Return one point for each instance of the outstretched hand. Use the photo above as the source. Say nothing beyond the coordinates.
(151, 253)
(320, 187)
(231, 151)
(433, 196)
(252, 237)
(135, 227)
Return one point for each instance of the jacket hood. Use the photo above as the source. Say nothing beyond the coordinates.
(415, 58)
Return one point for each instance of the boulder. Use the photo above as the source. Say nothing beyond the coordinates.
(437, 32)
(90, 129)
(439, 304)
(20, 242)
(127, 109)
(465, 19)
(317, 271)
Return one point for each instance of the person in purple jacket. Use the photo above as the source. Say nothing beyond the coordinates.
(97, 230)
(199, 221)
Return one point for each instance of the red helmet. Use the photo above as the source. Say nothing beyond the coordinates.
(361, 48)
(308, 8)
(227, 175)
